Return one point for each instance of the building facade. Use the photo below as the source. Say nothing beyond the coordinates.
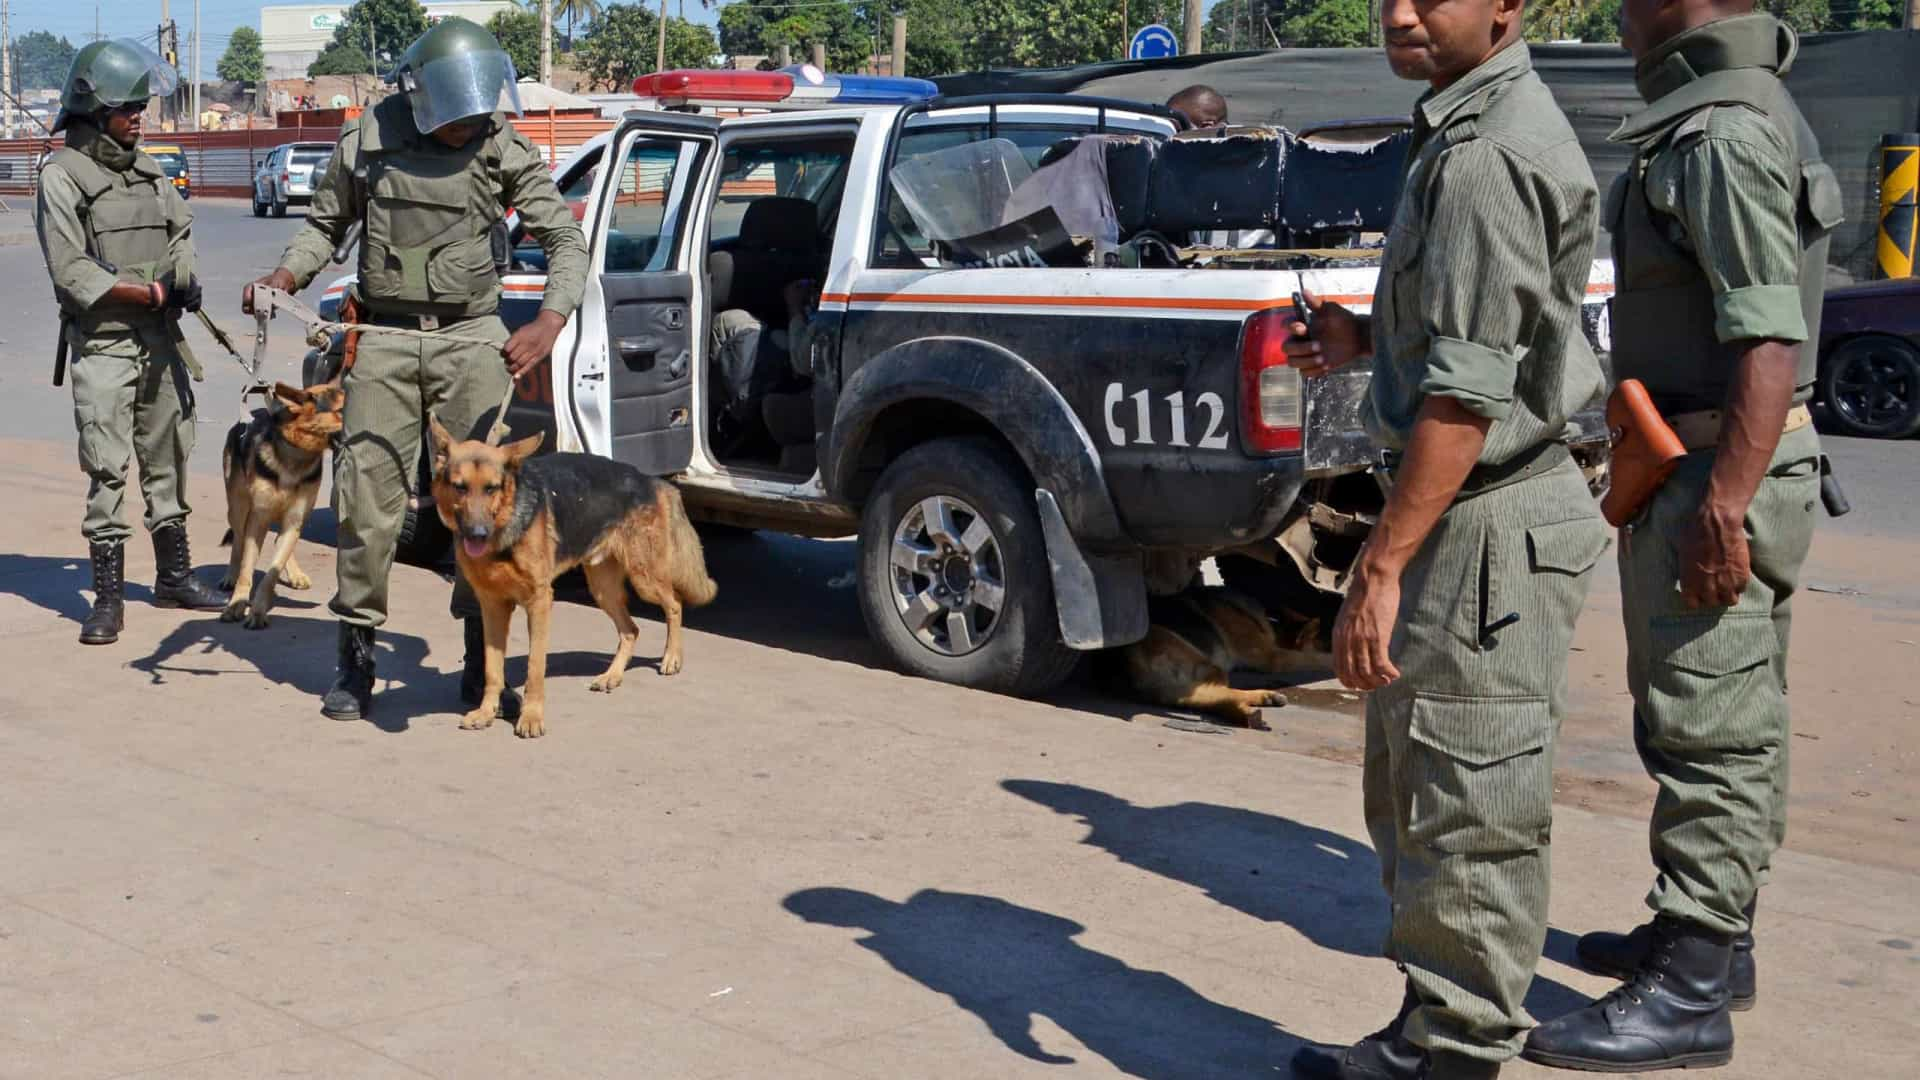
(293, 35)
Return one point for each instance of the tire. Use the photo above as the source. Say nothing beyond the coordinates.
(279, 208)
(969, 482)
(259, 208)
(1871, 386)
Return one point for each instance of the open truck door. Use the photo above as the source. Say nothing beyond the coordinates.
(627, 388)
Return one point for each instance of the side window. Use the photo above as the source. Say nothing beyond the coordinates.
(650, 197)
(774, 214)
(576, 187)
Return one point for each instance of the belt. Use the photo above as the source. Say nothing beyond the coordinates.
(1534, 461)
(1701, 430)
(414, 322)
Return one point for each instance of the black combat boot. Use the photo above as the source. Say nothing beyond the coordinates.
(109, 615)
(174, 584)
(1672, 1014)
(473, 673)
(1620, 955)
(352, 695)
(1383, 1053)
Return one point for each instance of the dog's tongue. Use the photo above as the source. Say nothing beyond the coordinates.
(474, 548)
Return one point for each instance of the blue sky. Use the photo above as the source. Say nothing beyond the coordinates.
(74, 19)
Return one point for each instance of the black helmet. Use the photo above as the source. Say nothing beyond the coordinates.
(456, 71)
(106, 74)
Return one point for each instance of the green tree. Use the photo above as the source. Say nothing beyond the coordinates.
(621, 44)
(1599, 21)
(750, 30)
(571, 10)
(1871, 15)
(338, 59)
(395, 24)
(519, 34)
(1805, 16)
(243, 61)
(1331, 24)
(40, 61)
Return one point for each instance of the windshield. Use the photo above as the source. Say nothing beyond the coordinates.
(170, 161)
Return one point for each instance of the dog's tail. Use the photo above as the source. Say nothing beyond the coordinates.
(688, 559)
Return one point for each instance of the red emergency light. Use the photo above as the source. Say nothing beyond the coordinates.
(742, 86)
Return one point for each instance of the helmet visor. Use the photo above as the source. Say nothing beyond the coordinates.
(135, 73)
(462, 86)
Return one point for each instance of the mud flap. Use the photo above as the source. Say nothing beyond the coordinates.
(1101, 599)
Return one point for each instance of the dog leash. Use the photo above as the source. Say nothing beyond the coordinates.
(269, 301)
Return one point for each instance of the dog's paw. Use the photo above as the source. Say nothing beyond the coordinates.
(479, 719)
(296, 580)
(257, 619)
(1274, 698)
(606, 684)
(235, 610)
(531, 725)
(670, 665)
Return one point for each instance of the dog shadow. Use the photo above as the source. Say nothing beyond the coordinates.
(1324, 885)
(63, 586)
(299, 652)
(1006, 964)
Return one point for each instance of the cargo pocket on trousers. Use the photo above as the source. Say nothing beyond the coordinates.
(1711, 683)
(1567, 547)
(1482, 777)
(92, 453)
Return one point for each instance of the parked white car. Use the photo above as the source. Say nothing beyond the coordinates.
(288, 175)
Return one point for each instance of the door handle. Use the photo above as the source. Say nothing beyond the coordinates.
(637, 353)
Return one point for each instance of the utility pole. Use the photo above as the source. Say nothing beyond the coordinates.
(1913, 14)
(900, 43)
(820, 55)
(1193, 25)
(546, 42)
(6, 62)
(196, 64)
(373, 50)
(660, 54)
(160, 39)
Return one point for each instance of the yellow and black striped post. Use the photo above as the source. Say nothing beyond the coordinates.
(1899, 204)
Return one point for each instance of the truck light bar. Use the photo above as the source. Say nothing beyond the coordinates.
(799, 86)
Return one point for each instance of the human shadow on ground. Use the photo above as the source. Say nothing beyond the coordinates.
(1324, 885)
(1007, 964)
(62, 585)
(300, 652)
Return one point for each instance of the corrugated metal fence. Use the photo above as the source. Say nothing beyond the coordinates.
(223, 162)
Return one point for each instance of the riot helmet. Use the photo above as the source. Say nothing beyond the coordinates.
(456, 71)
(108, 74)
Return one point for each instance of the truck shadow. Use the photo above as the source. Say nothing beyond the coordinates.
(1006, 964)
(1322, 884)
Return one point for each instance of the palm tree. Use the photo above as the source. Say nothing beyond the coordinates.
(572, 9)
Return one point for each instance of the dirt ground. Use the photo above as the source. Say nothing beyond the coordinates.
(1855, 692)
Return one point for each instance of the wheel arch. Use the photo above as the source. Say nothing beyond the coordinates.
(950, 386)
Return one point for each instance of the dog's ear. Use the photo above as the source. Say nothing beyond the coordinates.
(292, 395)
(442, 442)
(523, 449)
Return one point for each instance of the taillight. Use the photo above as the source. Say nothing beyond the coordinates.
(1270, 395)
(286, 178)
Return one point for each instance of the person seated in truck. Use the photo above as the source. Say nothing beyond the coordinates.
(765, 379)
(1203, 106)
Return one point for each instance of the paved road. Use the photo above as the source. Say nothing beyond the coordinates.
(234, 247)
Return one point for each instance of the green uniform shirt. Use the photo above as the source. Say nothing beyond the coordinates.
(526, 185)
(1486, 265)
(79, 283)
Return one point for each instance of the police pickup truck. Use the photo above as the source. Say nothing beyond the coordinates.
(1036, 391)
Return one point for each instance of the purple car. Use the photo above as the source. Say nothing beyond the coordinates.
(1870, 358)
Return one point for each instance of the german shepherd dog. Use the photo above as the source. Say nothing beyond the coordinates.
(273, 465)
(1199, 637)
(520, 522)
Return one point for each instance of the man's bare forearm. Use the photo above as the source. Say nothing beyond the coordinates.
(1446, 443)
(1756, 410)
